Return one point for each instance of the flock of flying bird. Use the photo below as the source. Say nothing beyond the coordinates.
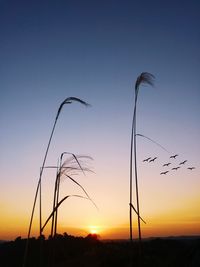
(167, 164)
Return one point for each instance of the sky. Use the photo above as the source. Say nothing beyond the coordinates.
(95, 50)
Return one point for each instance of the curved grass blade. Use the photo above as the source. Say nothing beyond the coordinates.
(82, 189)
(57, 206)
(141, 135)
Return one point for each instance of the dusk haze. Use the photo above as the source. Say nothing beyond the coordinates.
(76, 67)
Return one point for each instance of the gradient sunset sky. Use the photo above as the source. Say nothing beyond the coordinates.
(94, 50)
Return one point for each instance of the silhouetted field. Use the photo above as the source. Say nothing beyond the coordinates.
(65, 250)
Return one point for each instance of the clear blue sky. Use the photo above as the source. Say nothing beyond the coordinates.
(95, 50)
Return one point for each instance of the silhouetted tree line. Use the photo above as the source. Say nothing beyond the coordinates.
(66, 250)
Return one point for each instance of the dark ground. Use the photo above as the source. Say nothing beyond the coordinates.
(69, 251)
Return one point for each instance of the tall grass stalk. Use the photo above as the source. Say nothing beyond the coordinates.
(68, 100)
(54, 197)
(143, 78)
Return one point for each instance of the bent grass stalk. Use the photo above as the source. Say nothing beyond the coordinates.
(68, 100)
(57, 206)
(137, 213)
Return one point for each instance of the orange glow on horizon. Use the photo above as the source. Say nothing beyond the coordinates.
(164, 218)
(182, 220)
(155, 229)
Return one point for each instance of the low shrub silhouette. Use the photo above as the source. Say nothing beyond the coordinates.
(67, 250)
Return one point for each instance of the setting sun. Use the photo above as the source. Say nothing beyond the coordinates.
(94, 229)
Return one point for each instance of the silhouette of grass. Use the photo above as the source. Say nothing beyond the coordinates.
(65, 170)
(68, 100)
(143, 78)
(57, 188)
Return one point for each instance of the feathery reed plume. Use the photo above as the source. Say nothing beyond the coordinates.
(57, 206)
(68, 100)
(143, 78)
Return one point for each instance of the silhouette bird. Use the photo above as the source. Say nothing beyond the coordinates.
(175, 168)
(164, 172)
(147, 159)
(173, 157)
(152, 160)
(166, 164)
(191, 168)
(183, 162)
